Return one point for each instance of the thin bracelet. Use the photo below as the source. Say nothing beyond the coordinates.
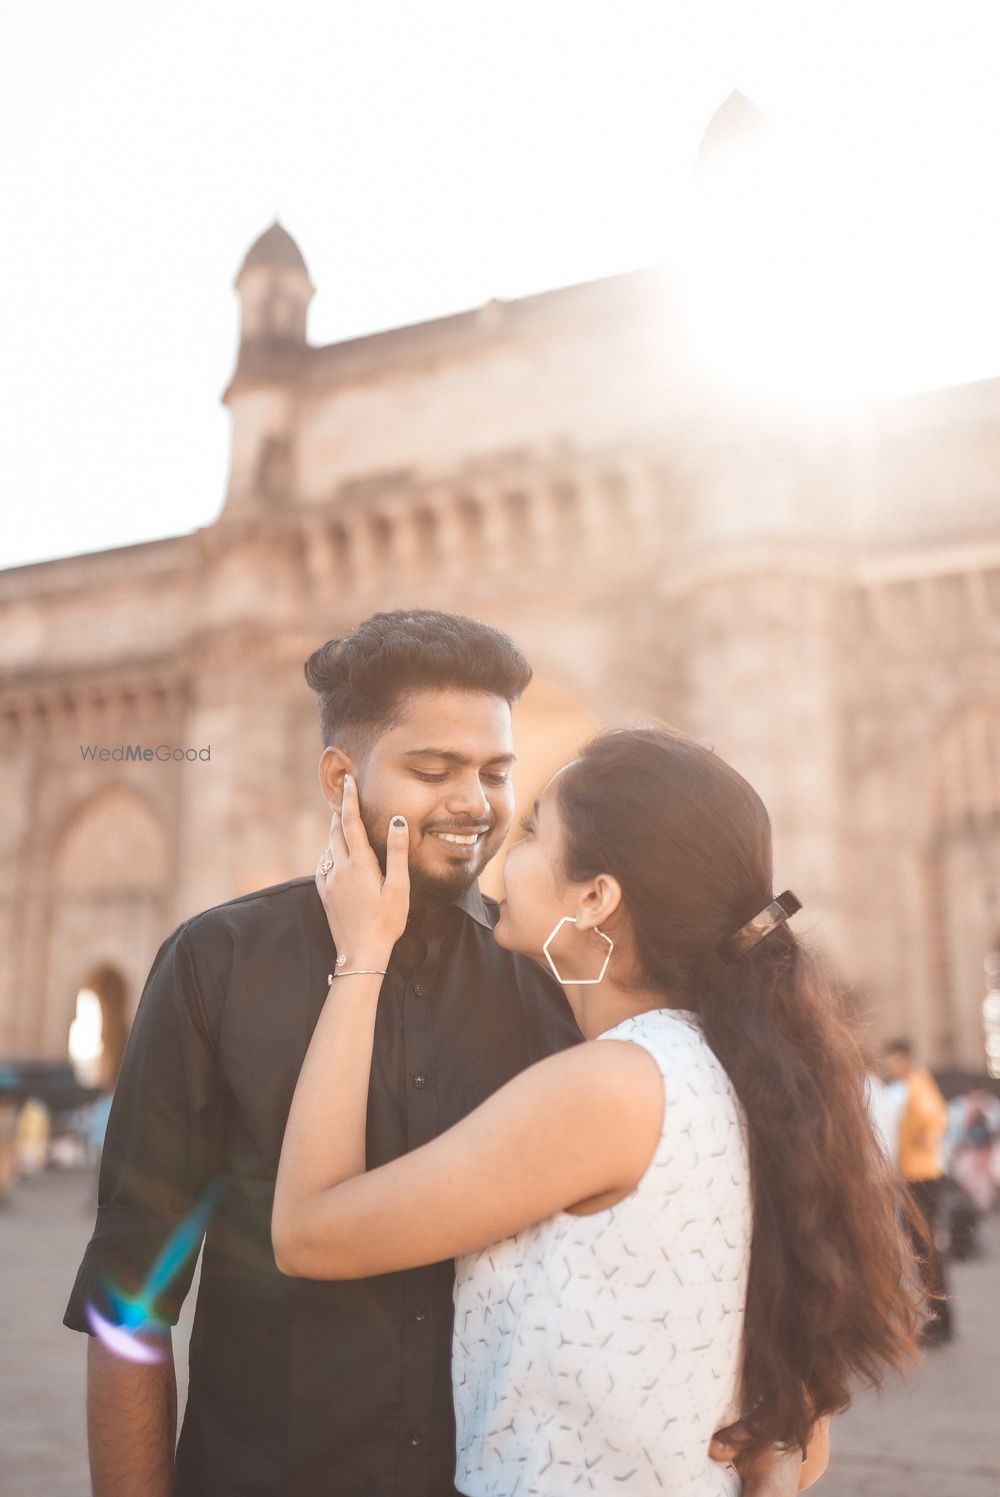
(357, 972)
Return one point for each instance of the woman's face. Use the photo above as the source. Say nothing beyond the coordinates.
(536, 895)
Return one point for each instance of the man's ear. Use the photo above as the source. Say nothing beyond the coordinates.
(333, 765)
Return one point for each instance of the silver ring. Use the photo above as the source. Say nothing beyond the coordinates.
(326, 864)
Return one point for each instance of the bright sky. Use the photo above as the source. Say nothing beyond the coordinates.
(430, 156)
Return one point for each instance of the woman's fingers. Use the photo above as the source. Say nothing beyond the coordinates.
(396, 885)
(338, 842)
(366, 911)
(355, 835)
(397, 857)
(348, 814)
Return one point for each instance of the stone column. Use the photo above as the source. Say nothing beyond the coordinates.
(761, 659)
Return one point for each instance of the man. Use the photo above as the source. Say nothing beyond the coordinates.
(298, 1388)
(922, 1121)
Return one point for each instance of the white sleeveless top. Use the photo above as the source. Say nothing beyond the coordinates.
(600, 1353)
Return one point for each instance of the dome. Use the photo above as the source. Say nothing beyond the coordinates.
(275, 247)
(734, 124)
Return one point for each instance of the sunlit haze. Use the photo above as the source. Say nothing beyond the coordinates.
(427, 158)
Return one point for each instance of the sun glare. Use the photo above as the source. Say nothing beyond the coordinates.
(811, 273)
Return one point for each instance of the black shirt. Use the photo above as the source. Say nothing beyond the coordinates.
(300, 1388)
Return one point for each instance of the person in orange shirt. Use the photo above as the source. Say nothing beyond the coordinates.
(923, 1119)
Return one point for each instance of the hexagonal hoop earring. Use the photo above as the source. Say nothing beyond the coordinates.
(577, 982)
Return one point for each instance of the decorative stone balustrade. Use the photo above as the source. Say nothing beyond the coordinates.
(533, 524)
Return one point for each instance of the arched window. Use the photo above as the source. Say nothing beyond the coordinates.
(86, 1036)
(99, 1029)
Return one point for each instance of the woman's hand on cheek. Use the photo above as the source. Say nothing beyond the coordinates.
(366, 912)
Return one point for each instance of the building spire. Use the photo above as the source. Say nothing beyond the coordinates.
(274, 290)
(735, 126)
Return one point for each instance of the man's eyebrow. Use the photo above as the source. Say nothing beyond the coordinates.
(450, 757)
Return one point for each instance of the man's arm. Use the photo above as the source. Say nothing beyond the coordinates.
(131, 1422)
(774, 1473)
(163, 1147)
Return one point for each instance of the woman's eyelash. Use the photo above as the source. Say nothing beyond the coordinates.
(527, 825)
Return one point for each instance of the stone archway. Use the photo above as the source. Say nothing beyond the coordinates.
(114, 842)
(105, 988)
(110, 886)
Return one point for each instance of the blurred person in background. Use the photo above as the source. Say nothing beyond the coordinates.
(974, 1131)
(93, 1128)
(31, 1137)
(8, 1127)
(923, 1121)
(884, 1106)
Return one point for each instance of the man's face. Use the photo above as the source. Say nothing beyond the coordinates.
(446, 767)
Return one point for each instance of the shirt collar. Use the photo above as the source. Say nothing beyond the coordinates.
(470, 902)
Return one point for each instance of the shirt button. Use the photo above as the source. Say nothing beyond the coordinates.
(418, 989)
(420, 1082)
(414, 1438)
(420, 1316)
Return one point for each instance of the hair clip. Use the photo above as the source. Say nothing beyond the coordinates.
(776, 913)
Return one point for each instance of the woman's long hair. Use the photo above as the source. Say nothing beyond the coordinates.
(832, 1300)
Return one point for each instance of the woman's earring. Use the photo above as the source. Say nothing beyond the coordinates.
(577, 982)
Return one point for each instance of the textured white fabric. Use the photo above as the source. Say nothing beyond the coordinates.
(600, 1353)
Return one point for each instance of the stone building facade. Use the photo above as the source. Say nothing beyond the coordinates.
(819, 596)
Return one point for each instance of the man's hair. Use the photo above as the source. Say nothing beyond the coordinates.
(898, 1046)
(363, 679)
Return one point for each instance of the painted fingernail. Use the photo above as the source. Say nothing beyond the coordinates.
(398, 821)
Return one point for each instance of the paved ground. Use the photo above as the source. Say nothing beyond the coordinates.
(937, 1437)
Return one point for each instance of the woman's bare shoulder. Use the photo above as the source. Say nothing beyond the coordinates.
(605, 1076)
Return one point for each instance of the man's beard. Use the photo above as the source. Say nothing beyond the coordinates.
(427, 890)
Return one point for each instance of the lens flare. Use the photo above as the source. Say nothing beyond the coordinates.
(135, 1313)
(122, 1342)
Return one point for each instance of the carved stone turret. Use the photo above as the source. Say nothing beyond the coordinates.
(274, 291)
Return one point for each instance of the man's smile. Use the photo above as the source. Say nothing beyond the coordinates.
(464, 841)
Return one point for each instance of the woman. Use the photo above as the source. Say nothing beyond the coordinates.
(610, 1313)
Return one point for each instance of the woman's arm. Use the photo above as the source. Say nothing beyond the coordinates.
(574, 1126)
(817, 1454)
